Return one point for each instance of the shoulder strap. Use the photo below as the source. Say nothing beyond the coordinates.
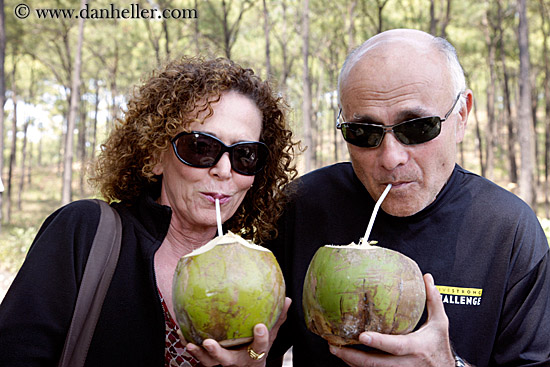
(97, 277)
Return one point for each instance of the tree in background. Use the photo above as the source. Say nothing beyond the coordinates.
(66, 194)
(299, 46)
(525, 126)
(2, 99)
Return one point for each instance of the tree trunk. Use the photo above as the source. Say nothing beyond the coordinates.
(82, 130)
(508, 120)
(196, 32)
(29, 163)
(66, 193)
(525, 126)
(284, 43)
(491, 123)
(317, 131)
(166, 32)
(446, 20)
(351, 26)
(267, 44)
(154, 39)
(113, 86)
(96, 112)
(2, 99)
(544, 19)
(23, 161)
(381, 6)
(13, 144)
(433, 19)
(479, 141)
(226, 31)
(534, 104)
(39, 158)
(306, 84)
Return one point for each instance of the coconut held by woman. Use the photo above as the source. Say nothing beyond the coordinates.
(356, 288)
(223, 289)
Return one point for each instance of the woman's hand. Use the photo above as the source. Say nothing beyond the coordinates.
(212, 353)
(428, 346)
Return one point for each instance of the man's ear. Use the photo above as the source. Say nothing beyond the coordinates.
(463, 113)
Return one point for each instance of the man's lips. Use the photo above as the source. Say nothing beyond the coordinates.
(398, 184)
(212, 196)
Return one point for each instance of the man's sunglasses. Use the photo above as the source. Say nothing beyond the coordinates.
(202, 150)
(410, 132)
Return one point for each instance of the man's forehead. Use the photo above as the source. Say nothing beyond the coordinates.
(395, 49)
(392, 40)
(393, 63)
(386, 69)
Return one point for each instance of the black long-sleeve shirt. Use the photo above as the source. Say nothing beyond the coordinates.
(485, 248)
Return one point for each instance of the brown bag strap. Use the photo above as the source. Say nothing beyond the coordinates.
(97, 277)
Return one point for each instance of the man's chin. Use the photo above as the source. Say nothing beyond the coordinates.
(402, 208)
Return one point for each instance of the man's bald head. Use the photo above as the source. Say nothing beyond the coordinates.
(397, 38)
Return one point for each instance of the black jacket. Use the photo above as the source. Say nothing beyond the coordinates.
(37, 310)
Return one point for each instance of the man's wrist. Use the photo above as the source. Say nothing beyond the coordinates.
(459, 362)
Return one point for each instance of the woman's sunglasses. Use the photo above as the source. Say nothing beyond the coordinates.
(410, 132)
(202, 150)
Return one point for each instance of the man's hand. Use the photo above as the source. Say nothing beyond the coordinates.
(212, 354)
(429, 346)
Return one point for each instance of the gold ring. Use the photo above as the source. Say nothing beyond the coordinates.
(255, 356)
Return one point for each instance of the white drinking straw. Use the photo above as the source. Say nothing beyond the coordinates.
(219, 217)
(374, 212)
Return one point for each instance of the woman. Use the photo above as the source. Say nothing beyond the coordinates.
(194, 132)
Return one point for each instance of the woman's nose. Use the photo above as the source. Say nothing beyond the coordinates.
(222, 169)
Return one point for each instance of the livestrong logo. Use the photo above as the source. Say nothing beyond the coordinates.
(460, 296)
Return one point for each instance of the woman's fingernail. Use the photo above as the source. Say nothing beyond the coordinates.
(209, 347)
(259, 330)
(333, 349)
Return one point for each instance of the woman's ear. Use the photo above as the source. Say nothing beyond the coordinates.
(158, 169)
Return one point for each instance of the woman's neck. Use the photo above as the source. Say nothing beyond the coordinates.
(180, 242)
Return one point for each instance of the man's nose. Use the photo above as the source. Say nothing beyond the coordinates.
(391, 152)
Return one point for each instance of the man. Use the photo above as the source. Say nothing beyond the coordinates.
(404, 108)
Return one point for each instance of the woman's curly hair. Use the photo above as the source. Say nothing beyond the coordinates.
(167, 102)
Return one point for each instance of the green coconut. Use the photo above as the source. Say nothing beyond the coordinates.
(357, 288)
(224, 288)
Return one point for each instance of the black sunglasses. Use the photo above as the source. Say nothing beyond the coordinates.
(410, 132)
(202, 150)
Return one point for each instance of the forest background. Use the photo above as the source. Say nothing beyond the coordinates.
(63, 69)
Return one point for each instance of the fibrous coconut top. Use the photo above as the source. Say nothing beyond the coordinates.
(361, 245)
(227, 238)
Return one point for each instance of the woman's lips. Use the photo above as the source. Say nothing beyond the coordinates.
(212, 196)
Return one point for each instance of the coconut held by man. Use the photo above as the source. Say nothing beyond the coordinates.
(356, 288)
